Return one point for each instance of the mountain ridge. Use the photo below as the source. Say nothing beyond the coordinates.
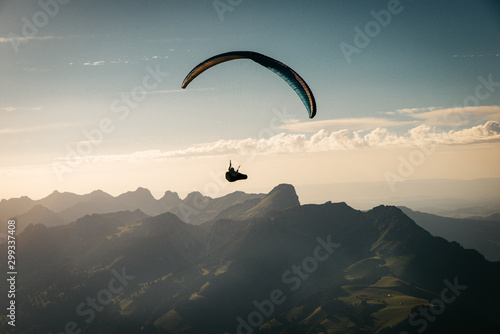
(478, 234)
(332, 266)
(69, 206)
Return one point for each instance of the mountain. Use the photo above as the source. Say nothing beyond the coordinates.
(470, 212)
(326, 267)
(281, 197)
(226, 224)
(482, 235)
(169, 200)
(38, 215)
(479, 197)
(9, 208)
(494, 217)
(283, 268)
(58, 201)
(197, 209)
(141, 199)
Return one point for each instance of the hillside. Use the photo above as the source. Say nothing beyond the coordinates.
(285, 268)
(480, 234)
(63, 208)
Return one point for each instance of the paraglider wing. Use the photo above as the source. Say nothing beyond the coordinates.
(290, 76)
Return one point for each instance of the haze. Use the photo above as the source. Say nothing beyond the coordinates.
(90, 95)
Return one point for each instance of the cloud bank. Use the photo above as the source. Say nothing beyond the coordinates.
(365, 123)
(321, 141)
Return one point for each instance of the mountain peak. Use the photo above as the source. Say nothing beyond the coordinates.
(283, 196)
(194, 194)
(171, 194)
(286, 194)
(140, 191)
(283, 187)
(55, 195)
(98, 192)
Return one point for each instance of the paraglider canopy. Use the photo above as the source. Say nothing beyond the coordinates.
(290, 76)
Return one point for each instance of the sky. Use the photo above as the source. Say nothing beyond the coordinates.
(90, 94)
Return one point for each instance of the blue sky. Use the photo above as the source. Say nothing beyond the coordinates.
(406, 84)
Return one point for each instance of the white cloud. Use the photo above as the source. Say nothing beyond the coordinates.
(413, 110)
(94, 63)
(35, 128)
(12, 108)
(174, 91)
(321, 141)
(120, 61)
(476, 55)
(104, 62)
(366, 123)
(458, 115)
(488, 132)
(19, 39)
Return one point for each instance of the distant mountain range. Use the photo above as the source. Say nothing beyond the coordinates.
(449, 198)
(60, 208)
(263, 264)
(480, 234)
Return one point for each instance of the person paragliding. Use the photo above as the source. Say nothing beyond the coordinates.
(234, 175)
(292, 78)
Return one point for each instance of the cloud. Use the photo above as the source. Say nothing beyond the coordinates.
(103, 62)
(366, 123)
(120, 61)
(413, 110)
(19, 39)
(321, 141)
(458, 116)
(35, 128)
(174, 91)
(476, 55)
(94, 63)
(489, 132)
(454, 116)
(25, 171)
(12, 108)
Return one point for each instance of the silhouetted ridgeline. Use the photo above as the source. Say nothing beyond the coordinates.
(264, 264)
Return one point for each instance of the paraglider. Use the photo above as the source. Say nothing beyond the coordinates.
(234, 175)
(286, 73)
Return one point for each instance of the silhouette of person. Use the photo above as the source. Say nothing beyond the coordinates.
(234, 175)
